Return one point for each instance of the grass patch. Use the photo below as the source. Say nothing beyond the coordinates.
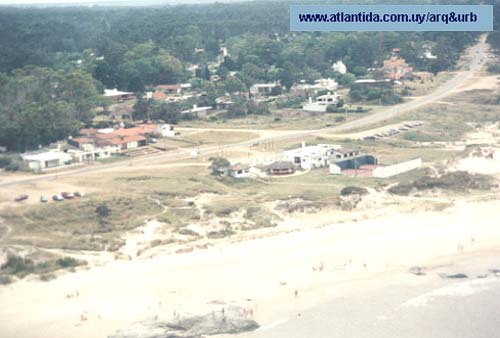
(84, 224)
(454, 181)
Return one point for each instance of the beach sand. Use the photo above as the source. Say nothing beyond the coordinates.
(322, 264)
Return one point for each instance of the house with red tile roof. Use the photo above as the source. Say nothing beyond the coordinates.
(396, 68)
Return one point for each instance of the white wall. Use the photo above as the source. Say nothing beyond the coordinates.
(397, 169)
(335, 169)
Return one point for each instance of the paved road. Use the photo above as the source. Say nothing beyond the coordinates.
(477, 53)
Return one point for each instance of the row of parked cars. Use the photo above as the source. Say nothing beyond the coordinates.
(57, 198)
(404, 127)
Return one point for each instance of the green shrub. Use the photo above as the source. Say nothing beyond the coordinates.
(14, 166)
(455, 181)
(19, 266)
(221, 233)
(352, 190)
(5, 161)
(4, 280)
(67, 262)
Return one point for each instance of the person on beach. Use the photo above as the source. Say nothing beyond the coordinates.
(296, 293)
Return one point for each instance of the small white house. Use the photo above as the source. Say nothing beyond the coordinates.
(165, 130)
(309, 157)
(239, 170)
(90, 155)
(46, 160)
(322, 102)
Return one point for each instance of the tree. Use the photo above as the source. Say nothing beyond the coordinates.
(219, 165)
(141, 108)
(168, 112)
(233, 84)
(102, 212)
(39, 106)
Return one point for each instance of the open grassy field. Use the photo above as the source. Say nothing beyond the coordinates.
(283, 119)
(77, 224)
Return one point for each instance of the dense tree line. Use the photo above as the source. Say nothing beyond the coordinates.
(39, 105)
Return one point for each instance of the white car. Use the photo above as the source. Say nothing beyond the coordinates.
(57, 198)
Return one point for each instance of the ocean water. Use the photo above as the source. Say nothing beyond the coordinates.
(433, 307)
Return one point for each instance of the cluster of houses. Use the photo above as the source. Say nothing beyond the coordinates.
(338, 159)
(93, 144)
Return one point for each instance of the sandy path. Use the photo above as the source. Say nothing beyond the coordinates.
(126, 291)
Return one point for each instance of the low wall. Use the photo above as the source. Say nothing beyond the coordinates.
(397, 169)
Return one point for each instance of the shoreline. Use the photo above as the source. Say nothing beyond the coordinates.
(258, 274)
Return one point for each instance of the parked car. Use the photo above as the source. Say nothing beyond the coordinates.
(153, 140)
(58, 198)
(369, 138)
(79, 194)
(43, 199)
(67, 195)
(21, 198)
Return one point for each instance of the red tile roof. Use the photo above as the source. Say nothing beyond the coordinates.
(88, 131)
(82, 140)
(159, 96)
(169, 86)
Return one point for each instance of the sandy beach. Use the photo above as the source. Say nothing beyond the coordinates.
(262, 274)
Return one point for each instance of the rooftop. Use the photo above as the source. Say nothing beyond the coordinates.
(46, 156)
(115, 92)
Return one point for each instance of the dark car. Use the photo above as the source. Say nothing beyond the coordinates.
(67, 195)
(21, 198)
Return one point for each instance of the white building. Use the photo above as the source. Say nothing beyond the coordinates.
(117, 95)
(264, 89)
(90, 155)
(200, 112)
(305, 89)
(165, 130)
(322, 102)
(339, 67)
(46, 160)
(309, 157)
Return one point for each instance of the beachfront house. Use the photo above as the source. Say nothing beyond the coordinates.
(313, 156)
